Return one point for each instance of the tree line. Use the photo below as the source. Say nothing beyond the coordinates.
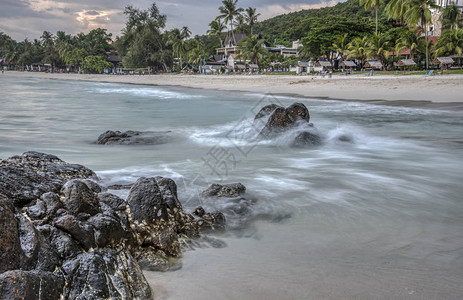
(348, 30)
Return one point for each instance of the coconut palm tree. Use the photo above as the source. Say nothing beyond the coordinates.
(450, 43)
(240, 25)
(396, 9)
(217, 28)
(379, 47)
(451, 17)
(358, 48)
(411, 40)
(228, 12)
(251, 49)
(341, 45)
(419, 12)
(373, 5)
(251, 17)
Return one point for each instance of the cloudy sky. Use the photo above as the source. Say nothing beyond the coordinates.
(29, 18)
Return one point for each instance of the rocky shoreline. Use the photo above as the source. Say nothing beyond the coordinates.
(65, 237)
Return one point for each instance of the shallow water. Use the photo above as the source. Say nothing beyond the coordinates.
(380, 217)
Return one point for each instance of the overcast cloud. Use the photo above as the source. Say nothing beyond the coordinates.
(22, 19)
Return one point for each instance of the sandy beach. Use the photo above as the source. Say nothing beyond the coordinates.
(436, 92)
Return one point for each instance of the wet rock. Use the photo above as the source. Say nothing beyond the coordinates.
(120, 186)
(307, 138)
(282, 119)
(266, 110)
(26, 177)
(10, 244)
(30, 285)
(109, 231)
(103, 274)
(228, 190)
(229, 200)
(81, 232)
(131, 137)
(67, 225)
(79, 198)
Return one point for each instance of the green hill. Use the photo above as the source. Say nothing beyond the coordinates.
(345, 17)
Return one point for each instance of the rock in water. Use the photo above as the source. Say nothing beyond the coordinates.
(307, 138)
(131, 137)
(61, 235)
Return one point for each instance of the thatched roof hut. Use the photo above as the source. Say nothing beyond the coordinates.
(374, 64)
(405, 63)
(443, 61)
(323, 63)
(240, 67)
(348, 64)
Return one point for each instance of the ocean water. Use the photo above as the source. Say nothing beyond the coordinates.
(377, 217)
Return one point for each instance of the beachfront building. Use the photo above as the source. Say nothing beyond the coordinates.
(435, 29)
(373, 65)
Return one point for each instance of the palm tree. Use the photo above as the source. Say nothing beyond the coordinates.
(358, 48)
(419, 12)
(411, 40)
(378, 47)
(240, 25)
(251, 17)
(341, 45)
(396, 9)
(450, 43)
(217, 27)
(228, 12)
(372, 4)
(251, 49)
(451, 17)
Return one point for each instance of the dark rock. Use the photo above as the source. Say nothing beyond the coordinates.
(307, 138)
(228, 190)
(81, 232)
(65, 246)
(131, 137)
(30, 285)
(105, 273)
(152, 199)
(30, 243)
(112, 201)
(282, 119)
(109, 231)
(120, 186)
(25, 178)
(266, 110)
(10, 244)
(298, 111)
(79, 198)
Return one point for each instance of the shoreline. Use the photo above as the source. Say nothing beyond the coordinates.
(442, 92)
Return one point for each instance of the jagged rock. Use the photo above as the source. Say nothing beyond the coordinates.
(26, 177)
(105, 273)
(81, 232)
(109, 231)
(228, 190)
(30, 285)
(307, 138)
(10, 244)
(265, 111)
(131, 137)
(209, 221)
(64, 223)
(282, 119)
(120, 186)
(79, 198)
(229, 200)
